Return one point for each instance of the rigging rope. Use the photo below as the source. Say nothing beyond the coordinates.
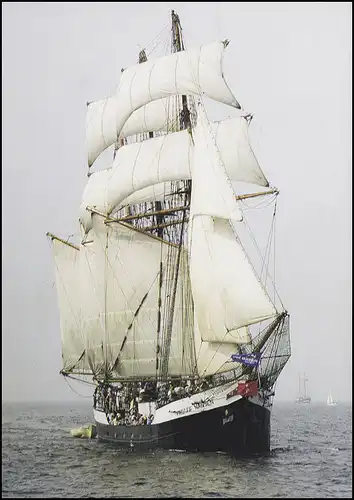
(262, 204)
(83, 381)
(158, 34)
(261, 256)
(265, 264)
(274, 247)
(133, 288)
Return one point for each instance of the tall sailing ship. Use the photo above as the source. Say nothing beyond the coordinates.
(303, 397)
(161, 307)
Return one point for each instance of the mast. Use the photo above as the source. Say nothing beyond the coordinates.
(159, 219)
(177, 46)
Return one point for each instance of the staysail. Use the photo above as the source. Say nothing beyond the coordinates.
(227, 294)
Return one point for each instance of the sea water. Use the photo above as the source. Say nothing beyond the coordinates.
(311, 457)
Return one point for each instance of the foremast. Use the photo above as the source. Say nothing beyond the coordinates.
(167, 220)
(184, 122)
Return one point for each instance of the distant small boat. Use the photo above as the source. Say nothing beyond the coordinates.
(330, 401)
(303, 397)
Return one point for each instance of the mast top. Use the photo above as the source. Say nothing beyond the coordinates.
(142, 56)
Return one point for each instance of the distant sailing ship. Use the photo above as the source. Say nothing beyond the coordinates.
(330, 401)
(160, 306)
(303, 397)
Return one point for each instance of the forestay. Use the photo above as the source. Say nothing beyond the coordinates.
(193, 72)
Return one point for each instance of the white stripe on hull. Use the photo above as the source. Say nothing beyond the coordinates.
(197, 403)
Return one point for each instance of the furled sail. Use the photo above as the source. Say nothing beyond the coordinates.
(144, 165)
(227, 294)
(67, 279)
(121, 290)
(193, 72)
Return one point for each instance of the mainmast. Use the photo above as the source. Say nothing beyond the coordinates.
(184, 122)
(159, 219)
(178, 46)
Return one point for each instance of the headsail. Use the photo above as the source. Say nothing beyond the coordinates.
(227, 294)
(211, 357)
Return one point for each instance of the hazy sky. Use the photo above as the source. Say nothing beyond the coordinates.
(288, 63)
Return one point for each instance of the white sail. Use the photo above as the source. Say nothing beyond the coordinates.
(227, 294)
(234, 147)
(330, 401)
(156, 192)
(91, 289)
(94, 195)
(136, 166)
(159, 115)
(212, 357)
(144, 165)
(67, 279)
(193, 72)
(239, 336)
(212, 191)
(233, 144)
(123, 266)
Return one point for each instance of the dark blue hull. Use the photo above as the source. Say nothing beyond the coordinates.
(241, 428)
